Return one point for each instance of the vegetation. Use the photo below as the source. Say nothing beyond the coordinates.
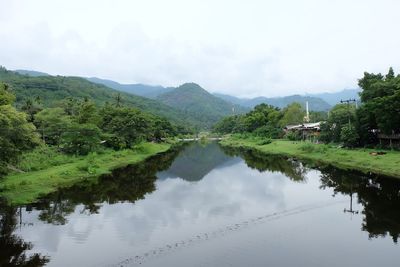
(16, 133)
(205, 108)
(356, 159)
(379, 113)
(55, 91)
(263, 121)
(48, 170)
(74, 140)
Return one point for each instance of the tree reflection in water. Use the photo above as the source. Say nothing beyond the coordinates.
(127, 184)
(13, 250)
(254, 159)
(380, 197)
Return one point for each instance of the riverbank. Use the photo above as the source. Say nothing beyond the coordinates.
(354, 159)
(24, 188)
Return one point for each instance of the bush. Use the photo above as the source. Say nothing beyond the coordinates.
(293, 136)
(349, 136)
(264, 142)
(307, 147)
(80, 139)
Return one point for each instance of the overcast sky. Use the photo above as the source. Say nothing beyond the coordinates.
(244, 48)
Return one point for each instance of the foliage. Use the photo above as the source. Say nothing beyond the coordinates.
(16, 133)
(68, 92)
(80, 139)
(262, 121)
(23, 188)
(52, 123)
(381, 103)
(349, 136)
(292, 114)
(339, 116)
(356, 159)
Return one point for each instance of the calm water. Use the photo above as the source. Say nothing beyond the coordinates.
(205, 206)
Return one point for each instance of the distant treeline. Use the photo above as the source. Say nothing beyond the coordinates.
(347, 123)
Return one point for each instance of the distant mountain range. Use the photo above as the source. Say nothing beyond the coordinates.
(136, 89)
(334, 98)
(190, 102)
(187, 105)
(315, 104)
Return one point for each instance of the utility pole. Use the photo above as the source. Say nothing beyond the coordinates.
(348, 101)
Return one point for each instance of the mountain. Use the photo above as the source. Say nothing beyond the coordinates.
(136, 89)
(32, 73)
(205, 107)
(315, 103)
(53, 89)
(334, 98)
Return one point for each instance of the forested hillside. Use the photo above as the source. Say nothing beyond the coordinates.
(206, 108)
(47, 91)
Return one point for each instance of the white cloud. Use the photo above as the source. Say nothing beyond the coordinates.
(242, 48)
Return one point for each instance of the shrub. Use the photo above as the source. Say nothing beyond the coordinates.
(349, 136)
(307, 147)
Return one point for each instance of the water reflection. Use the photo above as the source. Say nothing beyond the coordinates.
(379, 196)
(190, 191)
(292, 168)
(196, 161)
(128, 184)
(13, 249)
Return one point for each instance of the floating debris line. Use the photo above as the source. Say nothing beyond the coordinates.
(219, 232)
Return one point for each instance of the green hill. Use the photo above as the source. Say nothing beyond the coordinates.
(204, 107)
(52, 89)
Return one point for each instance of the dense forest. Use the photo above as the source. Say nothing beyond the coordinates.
(73, 126)
(49, 91)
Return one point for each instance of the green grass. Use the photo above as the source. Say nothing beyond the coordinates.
(355, 159)
(49, 170)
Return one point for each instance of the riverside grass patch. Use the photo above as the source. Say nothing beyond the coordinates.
(43, 178)
(358, 159)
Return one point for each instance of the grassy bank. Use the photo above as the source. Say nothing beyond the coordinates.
(47, 171)
(355, 159)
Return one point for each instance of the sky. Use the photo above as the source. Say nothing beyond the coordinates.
(243, 48)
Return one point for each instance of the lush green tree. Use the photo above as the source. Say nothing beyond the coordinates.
(292, 114)
(339, 116)
(80, 139)
(52, 123)
(381, 100)
(349, 136)
(16, 133)
(6, 96)
(88, 113)
(130, 124)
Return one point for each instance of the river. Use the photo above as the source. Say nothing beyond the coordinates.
(204, 205)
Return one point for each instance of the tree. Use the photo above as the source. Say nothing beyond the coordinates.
(339, 116)
(80, 139)
(52, 123)
(292, 114)
(381, 99)
(16, 133)
(87, 113)
(129, 124)
(349, 136)
(6, 97)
